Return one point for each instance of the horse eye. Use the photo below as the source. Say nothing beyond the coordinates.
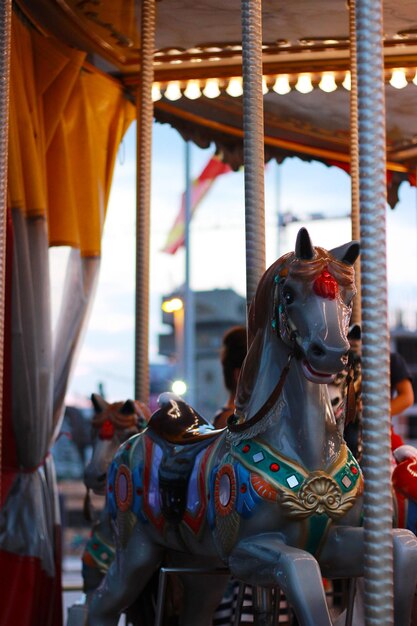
(288, 295)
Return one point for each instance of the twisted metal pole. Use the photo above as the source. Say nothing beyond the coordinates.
(375, 352)
(354, 156)
(143, 200)
(5, 38)
(253, 143)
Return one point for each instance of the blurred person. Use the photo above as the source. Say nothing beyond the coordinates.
(402, 395)
(234, 348)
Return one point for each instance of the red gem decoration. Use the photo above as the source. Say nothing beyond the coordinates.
(274, 467)
(326, 285)
(353, 469)
(243, 488)
(106, 430)
(123, 488)
(110, 487)
(246, 448)
(139, 491)
(128, 446)
(225, 490)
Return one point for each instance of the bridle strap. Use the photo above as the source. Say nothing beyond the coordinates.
(350, 412)
(236, 427)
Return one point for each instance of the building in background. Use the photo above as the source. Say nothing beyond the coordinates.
(215, 312)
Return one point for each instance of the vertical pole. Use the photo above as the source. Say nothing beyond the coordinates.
(278, 207)
(5, 36)
(253, 143)
(143, 200)
(354, 156)
(378, 508)
(189, 310)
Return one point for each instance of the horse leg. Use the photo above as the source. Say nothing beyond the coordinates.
(266, 561)
(125, 579)
(343, 556)
(202, 595)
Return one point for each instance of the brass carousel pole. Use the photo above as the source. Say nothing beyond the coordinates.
(5, 35)
(253, 143)
(143, 199)
(378, 508)
(354, 155)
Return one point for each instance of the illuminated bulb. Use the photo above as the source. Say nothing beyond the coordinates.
(328, 83)
(173, 91)
(282, 85)
(347, 82)
(415, 78)
(172, 305)
(398, 79)
(264, 86)
(156, 92)
(303, 84)
(193, 90)
(179, 387)
(211, 90)
(234, 88)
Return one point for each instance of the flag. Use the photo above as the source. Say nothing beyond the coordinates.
(199, 187)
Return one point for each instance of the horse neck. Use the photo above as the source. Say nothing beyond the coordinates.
(301, 425)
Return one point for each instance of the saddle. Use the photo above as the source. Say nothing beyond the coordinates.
(181, 433)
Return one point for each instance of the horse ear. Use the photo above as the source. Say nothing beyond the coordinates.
(128, 408)
(303, 247)
(99, 403)
(354, 332)
(348, 253)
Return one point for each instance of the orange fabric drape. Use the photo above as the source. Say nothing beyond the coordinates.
(65, 127)
(66, 124)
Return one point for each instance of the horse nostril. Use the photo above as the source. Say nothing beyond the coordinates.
(316, 350)
(102, 478)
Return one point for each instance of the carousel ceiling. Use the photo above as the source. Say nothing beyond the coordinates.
(197, 66)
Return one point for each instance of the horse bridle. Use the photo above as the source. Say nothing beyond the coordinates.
(281, 320)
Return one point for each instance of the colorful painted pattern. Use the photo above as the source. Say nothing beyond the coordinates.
(135, 488)
(98, 553)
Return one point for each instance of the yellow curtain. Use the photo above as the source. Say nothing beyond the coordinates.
(66, 124)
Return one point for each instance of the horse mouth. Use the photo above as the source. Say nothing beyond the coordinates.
(315, 376)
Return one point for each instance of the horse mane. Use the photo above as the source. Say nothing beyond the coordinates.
(262, 308)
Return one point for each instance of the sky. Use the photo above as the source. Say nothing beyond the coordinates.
(217, 247)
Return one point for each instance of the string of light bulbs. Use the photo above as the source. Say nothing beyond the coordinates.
(282, 84)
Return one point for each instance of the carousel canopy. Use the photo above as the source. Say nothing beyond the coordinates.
(197, 65)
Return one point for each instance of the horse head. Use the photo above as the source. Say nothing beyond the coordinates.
(112, 424)
(302, 305)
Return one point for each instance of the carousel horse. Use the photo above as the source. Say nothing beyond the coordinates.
(112, 425)
(276, 496)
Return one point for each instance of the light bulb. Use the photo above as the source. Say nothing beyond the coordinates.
(303, 84)
(398, 79)
(282, 85)
(173, 91)
(327, 82)
(156, 92)
(211, 90)
(192, 91)
(264, 86)
(235, 88)
(347, 82)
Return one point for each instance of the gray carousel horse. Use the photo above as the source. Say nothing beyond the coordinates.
(276, 496)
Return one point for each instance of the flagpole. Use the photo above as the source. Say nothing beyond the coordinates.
(189, 316)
